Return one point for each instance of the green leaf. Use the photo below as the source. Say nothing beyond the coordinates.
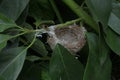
(6, 23)
(116, 8)
(114, 20)
(11, 62)
(14, 8)
(1, 78)
(113, 40)
(100, 9)
(27, 71)
(41, 10)
(22, 18)
(3, 40)
(64, 66)
(45, 75)
(38, 46)
(114, 23)
(32, 58)
(4, 19)
(98, 66)
(40, 70)
(45, 72)
(6, 26)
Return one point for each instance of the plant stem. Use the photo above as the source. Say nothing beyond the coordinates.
(46, 22)
(56, 10)
(67, 23)
(34, 39)
(79, 11)
(18, 35)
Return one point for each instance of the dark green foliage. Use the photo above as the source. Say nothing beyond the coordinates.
(64, 65)
(13, 9)
(41, 10)
(11, 61)
(99, 65)
(26, 55)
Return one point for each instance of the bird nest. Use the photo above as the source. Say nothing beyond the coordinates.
(71, 37)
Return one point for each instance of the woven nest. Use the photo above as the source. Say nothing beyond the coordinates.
(71, 37)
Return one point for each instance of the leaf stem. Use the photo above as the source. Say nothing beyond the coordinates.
(18, 35)
(25, 33)
(32, 42)
(19, 27)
